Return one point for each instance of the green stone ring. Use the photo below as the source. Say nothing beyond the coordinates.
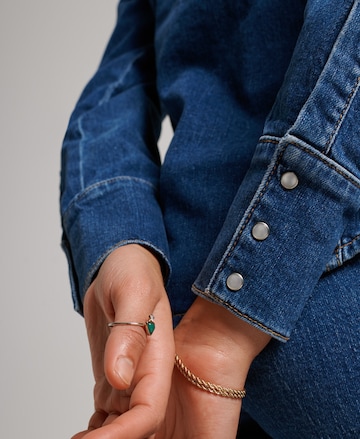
(149, 325)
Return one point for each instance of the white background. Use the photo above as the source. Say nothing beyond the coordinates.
(49, 50)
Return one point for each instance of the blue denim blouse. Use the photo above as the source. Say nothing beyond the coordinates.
(259, 192)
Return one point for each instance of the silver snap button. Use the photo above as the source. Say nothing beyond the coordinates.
(235, 282)
(260, 231)
(289, 180)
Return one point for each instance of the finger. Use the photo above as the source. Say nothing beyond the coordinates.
(147, 407)
(80, 435)
(97, 419)
(128, 290)
(110, 418)
(135, 424)
(124, 348)
(150, 389)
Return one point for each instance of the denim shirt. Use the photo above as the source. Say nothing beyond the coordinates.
(259, 192)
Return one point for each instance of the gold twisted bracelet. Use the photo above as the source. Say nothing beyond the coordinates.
(205, 385)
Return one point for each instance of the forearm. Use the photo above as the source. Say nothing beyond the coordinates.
(110, 161)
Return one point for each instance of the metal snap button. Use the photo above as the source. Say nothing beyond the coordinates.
(289, 180)
(260, 231)
(235, 282)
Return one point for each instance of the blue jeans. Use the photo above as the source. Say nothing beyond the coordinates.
(309, 387)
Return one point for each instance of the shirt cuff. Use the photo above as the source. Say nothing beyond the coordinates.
(110, 214)
(288, 218)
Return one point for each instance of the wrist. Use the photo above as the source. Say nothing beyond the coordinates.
(214, 327)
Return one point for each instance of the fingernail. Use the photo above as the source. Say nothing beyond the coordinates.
(124, 367)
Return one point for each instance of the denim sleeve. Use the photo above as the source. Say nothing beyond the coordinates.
(110, 161)
(296, 213)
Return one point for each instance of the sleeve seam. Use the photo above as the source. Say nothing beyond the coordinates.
(110, 181)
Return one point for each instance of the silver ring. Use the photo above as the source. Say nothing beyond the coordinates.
(149, 325)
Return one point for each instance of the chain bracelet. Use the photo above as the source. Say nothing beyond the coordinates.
(205, 385)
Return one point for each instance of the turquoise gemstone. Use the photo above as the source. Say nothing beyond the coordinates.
(150, 327)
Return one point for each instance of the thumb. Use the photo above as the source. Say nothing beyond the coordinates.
(123, 351)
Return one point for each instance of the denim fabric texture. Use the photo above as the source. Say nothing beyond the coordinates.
(309, 386)
(254, 90)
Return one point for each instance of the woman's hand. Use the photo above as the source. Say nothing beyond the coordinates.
(217, 347)
(132, 370)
